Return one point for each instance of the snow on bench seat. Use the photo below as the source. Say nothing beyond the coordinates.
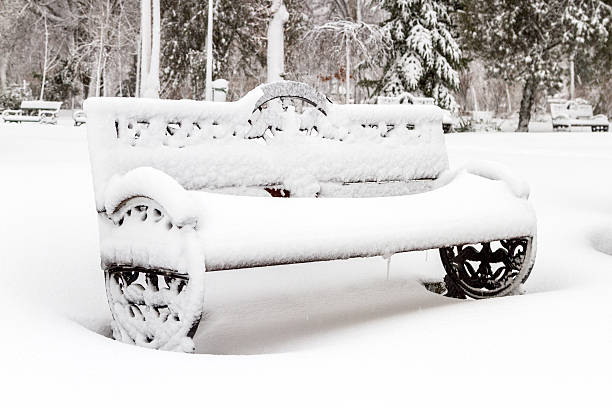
(261, 231)
(576, 113)
(34, 111)
(238, 232)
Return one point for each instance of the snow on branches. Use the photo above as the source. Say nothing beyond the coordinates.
(355, 38)
(532, 40)
(424, 55)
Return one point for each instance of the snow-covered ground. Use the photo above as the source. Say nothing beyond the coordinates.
(324, 334)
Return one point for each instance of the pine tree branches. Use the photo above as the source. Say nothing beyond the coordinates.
(425, 56)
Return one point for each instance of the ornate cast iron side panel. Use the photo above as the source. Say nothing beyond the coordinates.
(151, 306)
(291, 89)
(489, 269)
(146, 305)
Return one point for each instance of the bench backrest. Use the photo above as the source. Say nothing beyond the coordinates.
(42, 105)
(576, 109)
(213, 145)
(405, 98)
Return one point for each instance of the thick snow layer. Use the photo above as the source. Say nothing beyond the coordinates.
(156, 185)
(310, 335)
(253, 231)
(194, 143)
(602, 239)
(491, 171)
(246, 231)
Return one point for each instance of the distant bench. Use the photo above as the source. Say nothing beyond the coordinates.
(79, 117)
(407, 98)
(577, 113)
(33, 111)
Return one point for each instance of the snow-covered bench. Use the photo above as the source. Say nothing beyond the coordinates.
(159, 167)
(577, 113)
(33, 111)
(79, 117)
(448, 120)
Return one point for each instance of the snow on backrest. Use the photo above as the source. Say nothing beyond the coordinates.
(47, 105)
(222, 144)
(557, 110)
(388, 100)
(404, 98)
(579, 110)
(576, 109)
(390, 119)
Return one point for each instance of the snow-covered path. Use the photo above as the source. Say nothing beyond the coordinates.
(324, 334)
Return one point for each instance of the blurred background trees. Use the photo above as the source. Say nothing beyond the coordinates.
(501, 56)
(532, 42)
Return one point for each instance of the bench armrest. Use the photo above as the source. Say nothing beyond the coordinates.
(156, 185)
(47, 113)
(492, 171)
(9, 112)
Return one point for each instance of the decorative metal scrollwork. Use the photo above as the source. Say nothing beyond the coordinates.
(147, 307)
(488, 269)
(152, 306)
(291, 89)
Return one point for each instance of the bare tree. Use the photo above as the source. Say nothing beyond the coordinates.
(351, 39)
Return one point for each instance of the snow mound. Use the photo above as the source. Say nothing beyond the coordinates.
(601, 239)
(492, 171)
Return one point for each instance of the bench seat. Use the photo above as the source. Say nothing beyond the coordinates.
(577, 114)
(21, 118)
(34, 111)
(242, 232)
(79, 117)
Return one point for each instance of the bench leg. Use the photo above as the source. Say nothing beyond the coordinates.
(152, 307)
(488, 269)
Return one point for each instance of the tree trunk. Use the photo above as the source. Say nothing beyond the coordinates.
(99, 60)
(44, 74)
(208, 94)
(509, 99)
(119, 65)
(275, 52)
(529, 92)
(91, 88)
(572, 86)
(3, 71)
(138, 68)
(348, 72)
(150, 49)
(155, 50)
(145, 40)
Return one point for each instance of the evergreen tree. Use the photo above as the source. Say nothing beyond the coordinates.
(530, 40)
(594, 68)
(239, 42)
(238, 31)
(424, 55)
